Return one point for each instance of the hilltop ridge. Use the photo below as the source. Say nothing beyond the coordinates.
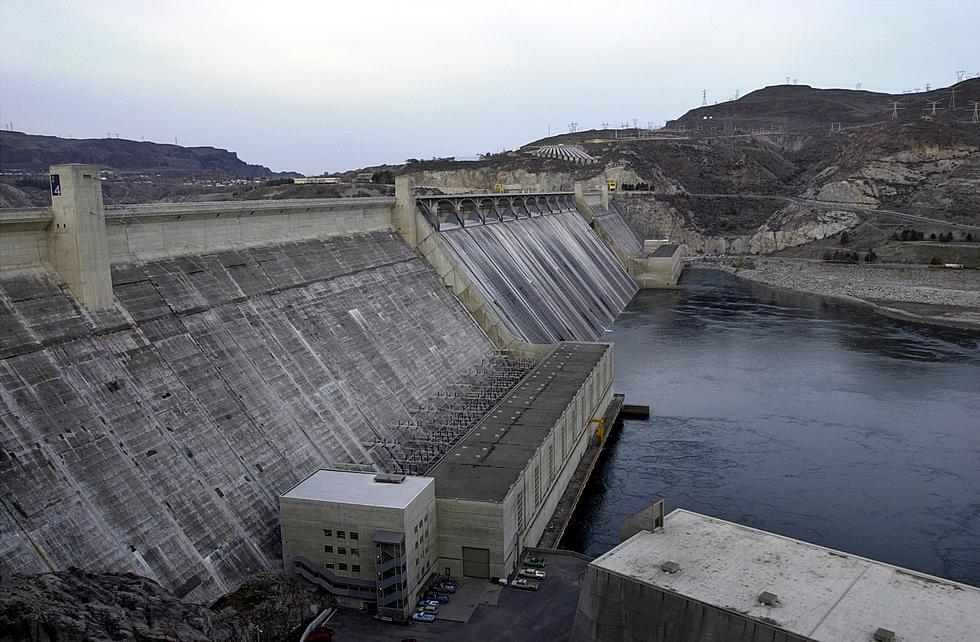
(35, 153)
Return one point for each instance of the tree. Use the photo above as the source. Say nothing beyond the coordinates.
(932, 237)
(845, 238)
(936, 261)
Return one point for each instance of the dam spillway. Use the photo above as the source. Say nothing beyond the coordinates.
(549, 278)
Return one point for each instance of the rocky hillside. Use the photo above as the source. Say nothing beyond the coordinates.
(77, 606)
(805, 109)
(733, 179)
(29, 153)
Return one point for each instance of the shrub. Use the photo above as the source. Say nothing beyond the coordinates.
(936, 261)
(827, 256)
(845, 238)
(932, 237)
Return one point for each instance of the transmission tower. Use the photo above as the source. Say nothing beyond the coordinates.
(704, 97)
(605, 125)
(857, 85)
(572, 127)
(927, 86)
(835, 127)
(933, 106)
(896, 105)
(959, 75)
(952, 98)
(976, 111)
(736, 94)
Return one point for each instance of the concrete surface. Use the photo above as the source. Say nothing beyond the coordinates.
(822, 594)
(156, 437)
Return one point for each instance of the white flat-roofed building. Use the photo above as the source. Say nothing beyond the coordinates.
(369, 539)
(701, 578)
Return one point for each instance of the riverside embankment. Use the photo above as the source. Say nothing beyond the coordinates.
(916, 293)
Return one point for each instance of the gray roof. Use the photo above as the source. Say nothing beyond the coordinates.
(823, 594)
(487, 462)
(346, 487)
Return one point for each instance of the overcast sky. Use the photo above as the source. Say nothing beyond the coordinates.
(325, 86)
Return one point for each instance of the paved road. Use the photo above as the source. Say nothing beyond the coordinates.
(836, 205)
(518, 616)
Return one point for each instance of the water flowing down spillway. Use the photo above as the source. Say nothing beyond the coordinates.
(548, 278)
(157, 437)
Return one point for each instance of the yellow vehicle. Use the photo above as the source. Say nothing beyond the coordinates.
(499, 187)
(612, 184)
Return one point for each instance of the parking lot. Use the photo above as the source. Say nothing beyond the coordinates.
(545, 614)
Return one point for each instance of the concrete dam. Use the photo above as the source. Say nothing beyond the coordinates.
(162, 383)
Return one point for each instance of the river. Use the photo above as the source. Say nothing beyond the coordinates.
(796, 415)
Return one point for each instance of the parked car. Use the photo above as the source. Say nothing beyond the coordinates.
(430, 608)
(423, 617)
(428, 602)
(443, 587)
(533, 573)
(438, 597)
(534, 562)
(524, 584)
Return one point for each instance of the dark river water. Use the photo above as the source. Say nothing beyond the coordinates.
(799, 416)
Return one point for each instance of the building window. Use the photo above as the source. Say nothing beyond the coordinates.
(341, 550)
(537, 485)
(340, 534)
(342, 566)
(355, 552)
(551, 462)
(355, 568)
(326, 532)
(329, 565)
(328, 549)
(353, 535)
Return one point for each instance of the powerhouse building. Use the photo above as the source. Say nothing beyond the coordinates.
(702, 578)
(488, 498)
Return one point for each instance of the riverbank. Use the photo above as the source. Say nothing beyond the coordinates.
(948, 298)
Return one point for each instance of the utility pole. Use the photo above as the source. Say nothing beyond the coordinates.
(976, 111)
(927, 86)
(933, 105)
(895, 107)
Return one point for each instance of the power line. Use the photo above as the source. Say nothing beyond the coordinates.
(895, 107)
